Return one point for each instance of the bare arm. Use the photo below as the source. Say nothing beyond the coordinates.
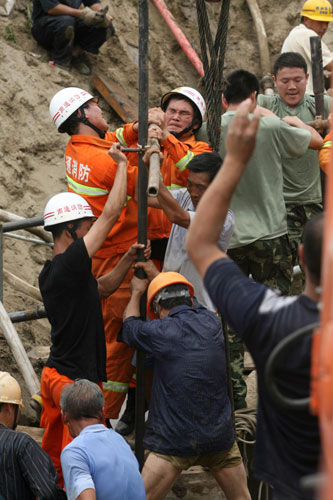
(205, 229)
(174, 212)
(138, 288)
(109, 283)
(88, 494)
(316, 139)
(97, 234)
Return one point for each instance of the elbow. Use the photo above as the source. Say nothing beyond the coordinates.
(316, 143)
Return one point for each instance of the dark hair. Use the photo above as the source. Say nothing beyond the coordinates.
(175, 301)
(239, 85)
(179, 97)
(58, 229)
(71, 125)
(82, 399)
(290, 60)
(209, 163)
(313, 239)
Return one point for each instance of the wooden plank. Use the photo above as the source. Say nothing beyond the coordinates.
(116, 98)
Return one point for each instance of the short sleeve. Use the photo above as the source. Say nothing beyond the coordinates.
(293, 142)
(235, 295)
(76, 472)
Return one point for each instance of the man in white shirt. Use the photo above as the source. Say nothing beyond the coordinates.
(315, 16)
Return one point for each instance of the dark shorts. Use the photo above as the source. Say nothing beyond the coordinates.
(220, 460)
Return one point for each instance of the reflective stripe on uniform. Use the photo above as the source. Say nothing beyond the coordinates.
(327, 144)
(120, 136)
(113, 386)
(82, 189)
(183, 162)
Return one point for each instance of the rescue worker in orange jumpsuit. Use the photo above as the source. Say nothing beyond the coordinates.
(90, 172)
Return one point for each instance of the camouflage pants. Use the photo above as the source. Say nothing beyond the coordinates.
(269, 262)
(297, 217)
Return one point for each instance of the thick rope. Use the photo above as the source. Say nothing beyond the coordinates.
(213, 66)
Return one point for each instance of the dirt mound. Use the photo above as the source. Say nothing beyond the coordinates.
(32, 151)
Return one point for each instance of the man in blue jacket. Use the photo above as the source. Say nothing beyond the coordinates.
(190, 420)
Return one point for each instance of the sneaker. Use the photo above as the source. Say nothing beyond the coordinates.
(81, 64)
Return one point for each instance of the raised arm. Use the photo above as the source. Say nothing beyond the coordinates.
(205, 229)
(97, 234)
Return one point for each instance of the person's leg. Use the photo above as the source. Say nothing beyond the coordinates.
(119, 368)
(56, 435)
(90, 38)
(56, 34)
(233, 482)
(159, 476)
(271, 263)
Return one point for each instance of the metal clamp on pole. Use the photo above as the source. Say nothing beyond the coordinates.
(154, 169)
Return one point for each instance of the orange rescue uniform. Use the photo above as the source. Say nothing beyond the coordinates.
(90, 172)
(177, 155)
(325, 153)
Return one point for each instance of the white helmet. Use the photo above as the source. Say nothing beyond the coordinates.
(193, 95)
(66, 207)
(10, 391)
(65, 102)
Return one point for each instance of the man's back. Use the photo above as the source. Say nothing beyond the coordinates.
(284, 447)
(100, 459)
(258, 202)
(26, 471)
(190, 410)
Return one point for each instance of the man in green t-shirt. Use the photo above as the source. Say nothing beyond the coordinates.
(301, 176)
(260, 244)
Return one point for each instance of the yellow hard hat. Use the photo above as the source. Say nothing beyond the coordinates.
(10, 391)
(318, 10)
(163, 280)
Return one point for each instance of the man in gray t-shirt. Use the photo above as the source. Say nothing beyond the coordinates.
(179, 206)
(260, 244)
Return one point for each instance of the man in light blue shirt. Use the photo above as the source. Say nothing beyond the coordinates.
(98, 463)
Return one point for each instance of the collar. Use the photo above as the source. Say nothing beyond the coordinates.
(94, 428)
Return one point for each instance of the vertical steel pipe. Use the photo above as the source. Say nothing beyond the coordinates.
(1, 262)
(142, 217)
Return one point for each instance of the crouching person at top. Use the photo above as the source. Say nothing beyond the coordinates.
(98, 463)
(190, 420)
(71, 297)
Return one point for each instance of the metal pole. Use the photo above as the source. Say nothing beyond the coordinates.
(23, 224)
(1, 262)
(142, 218)
(28, 315)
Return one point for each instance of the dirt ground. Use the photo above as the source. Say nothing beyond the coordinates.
(31, 149)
